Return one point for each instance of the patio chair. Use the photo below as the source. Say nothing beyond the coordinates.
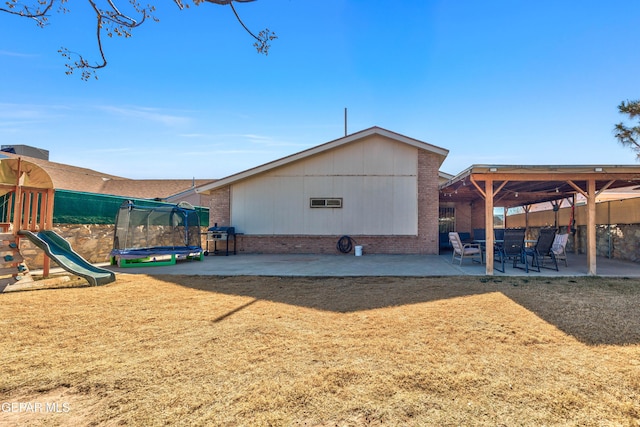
(465, 236)
(479, 234)
(512, 249)
(464, 250)
(498, 235)
(559, 247)
(542, 249)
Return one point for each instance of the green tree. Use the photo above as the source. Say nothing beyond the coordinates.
(112, 20)
(629, 136)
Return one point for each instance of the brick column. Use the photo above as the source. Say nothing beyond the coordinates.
(220, 207)
(428, 202)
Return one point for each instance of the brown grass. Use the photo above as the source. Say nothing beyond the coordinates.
(268, 351)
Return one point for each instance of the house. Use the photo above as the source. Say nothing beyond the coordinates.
(376, 186)
(386, 192)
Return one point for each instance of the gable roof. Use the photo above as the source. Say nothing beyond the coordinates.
(151, 188)
(442, 152)
(73, 178)
(66, 177)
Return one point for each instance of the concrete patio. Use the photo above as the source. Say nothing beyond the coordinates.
(370, 265)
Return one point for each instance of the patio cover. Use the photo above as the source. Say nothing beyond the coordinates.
(518, 185)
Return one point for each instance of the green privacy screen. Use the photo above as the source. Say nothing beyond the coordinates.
(73, 207)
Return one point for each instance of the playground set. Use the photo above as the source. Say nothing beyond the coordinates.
(27, 195)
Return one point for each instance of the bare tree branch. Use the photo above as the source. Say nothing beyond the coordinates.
(111, 21)
(263, 38)
(38, 14)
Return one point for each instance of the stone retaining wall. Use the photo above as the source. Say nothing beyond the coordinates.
(93, 242)
(619, 241)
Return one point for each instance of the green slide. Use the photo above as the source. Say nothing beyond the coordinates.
(59, 250)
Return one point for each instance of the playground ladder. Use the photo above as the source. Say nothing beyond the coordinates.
(13, 271)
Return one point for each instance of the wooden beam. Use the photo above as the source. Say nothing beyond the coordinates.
(560, 176)
(577, 188)
(500, 187)
(604, 187)
(475, 184)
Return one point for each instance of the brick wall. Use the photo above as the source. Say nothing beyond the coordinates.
(428, 204)
(220, 207)
(464, 215)
(327, 244)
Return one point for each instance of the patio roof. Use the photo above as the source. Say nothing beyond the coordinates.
(522, 185)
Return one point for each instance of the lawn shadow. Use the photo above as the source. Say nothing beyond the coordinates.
(336, 294)
(596, 311)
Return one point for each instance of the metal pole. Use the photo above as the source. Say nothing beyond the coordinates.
(345, 121)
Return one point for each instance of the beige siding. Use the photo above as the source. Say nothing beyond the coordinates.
(405, 202)
(375, 177)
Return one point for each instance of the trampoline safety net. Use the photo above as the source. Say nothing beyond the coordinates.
(167, 227)
(75, 207)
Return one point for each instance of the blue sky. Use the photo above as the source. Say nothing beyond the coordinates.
(494, 82)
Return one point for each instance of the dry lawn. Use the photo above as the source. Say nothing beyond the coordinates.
(268, 351)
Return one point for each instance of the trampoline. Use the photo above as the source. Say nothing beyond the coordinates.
(155, 234)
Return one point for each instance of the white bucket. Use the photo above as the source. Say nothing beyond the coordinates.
(358, 250)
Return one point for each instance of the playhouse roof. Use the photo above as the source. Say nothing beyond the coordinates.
(21, 172)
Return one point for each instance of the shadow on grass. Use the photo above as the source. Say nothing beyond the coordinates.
(594, 310)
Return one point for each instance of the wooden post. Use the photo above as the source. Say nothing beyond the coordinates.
(35, 195)
(572, 225)
(46, 218)
(591, 227)
(17, 207)
(488, 226)
(48, 214)
(10, 206)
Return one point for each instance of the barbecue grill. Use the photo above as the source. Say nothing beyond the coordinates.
(217, 234)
